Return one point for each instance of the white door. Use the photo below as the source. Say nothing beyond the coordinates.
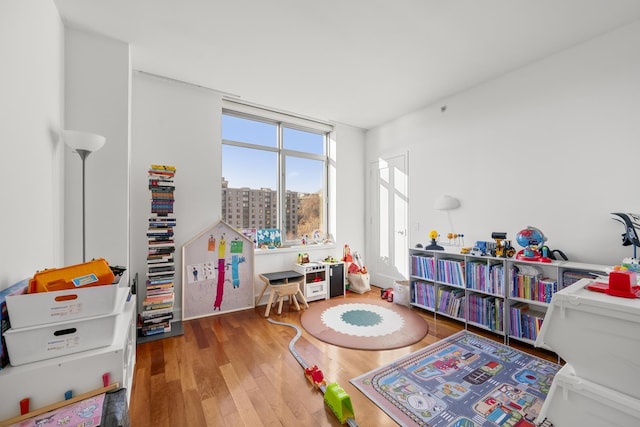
(387, 227)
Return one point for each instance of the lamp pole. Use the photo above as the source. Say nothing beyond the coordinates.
(83, 143)
(83, 155)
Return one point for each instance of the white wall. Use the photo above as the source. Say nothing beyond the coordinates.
(553, 145)
(31, 78)
(350, 195)
(97, 80)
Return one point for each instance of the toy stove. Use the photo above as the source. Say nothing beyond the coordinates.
(315, 285)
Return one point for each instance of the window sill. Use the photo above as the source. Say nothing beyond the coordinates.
(296, 248)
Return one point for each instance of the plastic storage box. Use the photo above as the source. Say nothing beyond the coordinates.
(574, 401)
(48, 307)
(597, 334)
(35, 343)
(92, 273)
(401, 292)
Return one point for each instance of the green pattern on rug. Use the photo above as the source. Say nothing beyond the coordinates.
(361, 318)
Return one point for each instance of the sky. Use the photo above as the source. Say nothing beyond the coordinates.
(243, 167)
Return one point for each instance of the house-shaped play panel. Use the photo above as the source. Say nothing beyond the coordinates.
(217, 272)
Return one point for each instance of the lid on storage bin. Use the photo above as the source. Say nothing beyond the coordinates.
(577, 294)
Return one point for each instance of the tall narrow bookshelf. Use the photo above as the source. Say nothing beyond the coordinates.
(157, 306)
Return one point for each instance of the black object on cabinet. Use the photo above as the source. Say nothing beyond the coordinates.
(336, 279)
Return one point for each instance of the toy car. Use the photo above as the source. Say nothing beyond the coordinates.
(476, 251)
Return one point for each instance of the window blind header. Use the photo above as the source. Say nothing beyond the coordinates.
(278, 116)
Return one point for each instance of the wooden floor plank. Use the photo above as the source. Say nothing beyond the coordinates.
(248, 413)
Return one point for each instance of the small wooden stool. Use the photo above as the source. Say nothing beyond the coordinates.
(290, 292)
(279, 292)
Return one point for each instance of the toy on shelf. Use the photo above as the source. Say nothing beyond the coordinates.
(433, 235)
(631, 223)
(482, 248)
(455, 239)
(532, 239)
(503, 248)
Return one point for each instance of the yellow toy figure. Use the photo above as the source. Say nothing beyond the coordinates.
(433, 235)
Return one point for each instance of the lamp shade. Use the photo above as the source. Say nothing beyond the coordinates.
(79, 140)
(447, 203)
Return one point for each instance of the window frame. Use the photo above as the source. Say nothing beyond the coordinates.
(282, 121)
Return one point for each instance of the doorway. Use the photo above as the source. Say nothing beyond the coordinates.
(387, 226)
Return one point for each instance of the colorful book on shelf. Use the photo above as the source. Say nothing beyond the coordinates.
(169, 285)
(451, 271)
(166, 250)
(161, 263)
(159, 280)
(158, 258)
(157, 312)
(159, 292)
(158, 299)
(154, 320)
(157, 306)
(161, 244)
(159, 328)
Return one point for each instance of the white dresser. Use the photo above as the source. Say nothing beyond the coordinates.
(45, 382)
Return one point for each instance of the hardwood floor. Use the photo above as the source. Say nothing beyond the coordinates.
(235, 369)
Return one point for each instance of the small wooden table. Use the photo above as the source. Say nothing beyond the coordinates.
(282, 283)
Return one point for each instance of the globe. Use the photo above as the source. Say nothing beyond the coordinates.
(530, 237)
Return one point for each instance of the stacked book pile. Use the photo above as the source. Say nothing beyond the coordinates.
(158, 302)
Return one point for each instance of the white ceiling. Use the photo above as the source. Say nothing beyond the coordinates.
(358, 62)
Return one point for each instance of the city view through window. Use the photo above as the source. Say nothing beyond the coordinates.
(273, 177)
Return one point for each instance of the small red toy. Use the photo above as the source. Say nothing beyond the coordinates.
(315, 375)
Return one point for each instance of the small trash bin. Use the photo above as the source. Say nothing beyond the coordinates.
(401, 292)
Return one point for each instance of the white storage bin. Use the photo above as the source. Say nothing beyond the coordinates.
(598, 334)
(401, 293)
(48, 307)
(35, 343)
(41, 342)
(573, 401)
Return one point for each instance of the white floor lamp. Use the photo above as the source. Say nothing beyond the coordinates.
(83, 143)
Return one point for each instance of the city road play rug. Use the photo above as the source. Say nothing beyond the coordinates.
(363, 324)
(462, 381)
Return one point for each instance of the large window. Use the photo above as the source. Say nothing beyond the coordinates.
(274, 172)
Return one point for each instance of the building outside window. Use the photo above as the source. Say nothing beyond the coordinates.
(275, 166)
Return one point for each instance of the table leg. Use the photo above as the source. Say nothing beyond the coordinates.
(293, 298)
(271, 295)
(266, 285)
(281, 300)
(302, 298)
